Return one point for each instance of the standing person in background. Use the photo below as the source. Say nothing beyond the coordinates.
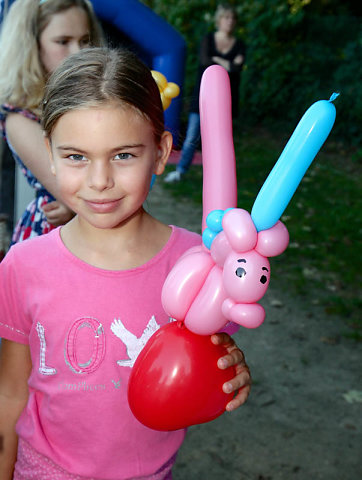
(36, 36)
(223, 48)
(68, 346)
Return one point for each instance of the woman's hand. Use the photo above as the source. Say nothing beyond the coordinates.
(238, 60)
(57, 213)
(222, 61)
(241, 383)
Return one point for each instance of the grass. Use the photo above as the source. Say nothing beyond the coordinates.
(324, 216)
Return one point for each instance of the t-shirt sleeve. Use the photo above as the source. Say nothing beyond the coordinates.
(14, 324)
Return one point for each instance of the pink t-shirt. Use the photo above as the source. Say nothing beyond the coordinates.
(85, 327)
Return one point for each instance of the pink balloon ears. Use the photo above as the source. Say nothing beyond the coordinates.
(241, 233)
(274, 241)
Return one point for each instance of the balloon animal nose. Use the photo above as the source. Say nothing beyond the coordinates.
(240, 272)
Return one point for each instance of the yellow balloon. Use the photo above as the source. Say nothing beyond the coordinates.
(172, 90)
(166, 101)
(160, 79)
(167, 90)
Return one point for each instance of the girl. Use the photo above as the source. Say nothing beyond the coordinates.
(36, 36)
(75, 327)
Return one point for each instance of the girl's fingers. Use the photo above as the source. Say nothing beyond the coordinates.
(235, 357)
(222, 338)
(241, 384)
(239, 400)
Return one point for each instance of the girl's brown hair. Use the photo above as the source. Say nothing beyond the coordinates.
(95, 76)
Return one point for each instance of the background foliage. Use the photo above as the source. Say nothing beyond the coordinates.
(298, 51)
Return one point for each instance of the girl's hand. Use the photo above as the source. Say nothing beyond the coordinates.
(57, 213)
(242, 381)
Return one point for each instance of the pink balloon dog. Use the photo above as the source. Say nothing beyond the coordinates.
(209, 288)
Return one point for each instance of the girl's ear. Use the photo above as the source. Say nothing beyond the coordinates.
(49, 150)
(163, 151)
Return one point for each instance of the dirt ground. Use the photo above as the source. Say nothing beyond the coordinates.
(303, 419)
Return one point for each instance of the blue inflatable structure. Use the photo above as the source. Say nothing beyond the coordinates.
(159, 45)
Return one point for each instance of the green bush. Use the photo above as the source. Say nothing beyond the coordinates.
(298, 52)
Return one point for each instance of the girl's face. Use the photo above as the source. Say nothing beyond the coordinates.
(103, 159)
(66, 33)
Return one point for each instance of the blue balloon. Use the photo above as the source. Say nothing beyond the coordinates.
(214, 220)
(214, 226)
(208, 237)
(153, 179)
(306, 141)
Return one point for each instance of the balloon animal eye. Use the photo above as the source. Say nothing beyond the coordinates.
(240, 272)
(264, 278)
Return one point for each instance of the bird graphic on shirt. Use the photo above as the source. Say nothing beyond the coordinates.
(133, 344)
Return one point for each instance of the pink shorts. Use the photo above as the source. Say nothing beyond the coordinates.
(31, 465)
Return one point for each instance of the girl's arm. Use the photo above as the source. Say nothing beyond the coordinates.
(26, 136)
(15, 367)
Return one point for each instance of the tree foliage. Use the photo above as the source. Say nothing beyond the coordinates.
(298, 51)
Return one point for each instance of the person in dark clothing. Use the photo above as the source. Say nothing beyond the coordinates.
(223, 48)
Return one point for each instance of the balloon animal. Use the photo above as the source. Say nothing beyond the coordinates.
(175, 381)
(210, 287)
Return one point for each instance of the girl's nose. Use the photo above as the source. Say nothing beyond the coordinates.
(100, 176)
(74, 47)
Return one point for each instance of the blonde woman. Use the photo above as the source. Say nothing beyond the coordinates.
(36, 36)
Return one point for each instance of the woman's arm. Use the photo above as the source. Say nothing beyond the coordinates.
(26, 136)
(222, 61)
(15, 367)
(239, 59)
(206, 51)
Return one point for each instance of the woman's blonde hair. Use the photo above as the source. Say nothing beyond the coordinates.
(97, 76)
(22, 77)
(221, 10)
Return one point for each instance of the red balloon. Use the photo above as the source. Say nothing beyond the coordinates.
(175, 381)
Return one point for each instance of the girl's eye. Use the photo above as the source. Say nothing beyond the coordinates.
(62, 41)
(123, 156)
(75, 157)
(85, 42)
